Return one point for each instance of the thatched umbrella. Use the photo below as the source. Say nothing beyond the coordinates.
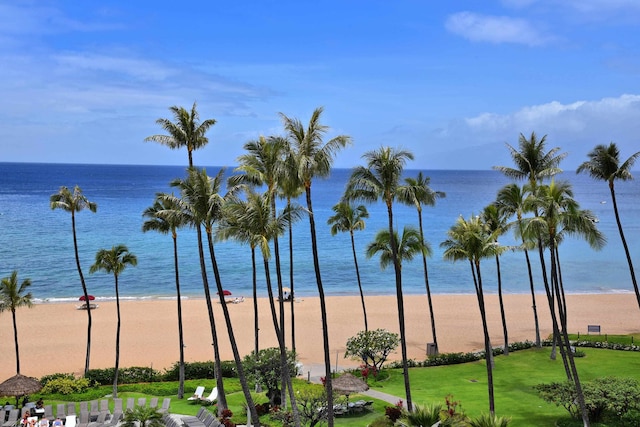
(19, 385)
(349, 383)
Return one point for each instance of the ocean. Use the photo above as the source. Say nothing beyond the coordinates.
(37, 241)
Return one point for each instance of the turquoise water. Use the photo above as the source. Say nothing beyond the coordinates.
(37, 241)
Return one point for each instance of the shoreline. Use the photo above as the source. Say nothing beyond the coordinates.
(52, 335)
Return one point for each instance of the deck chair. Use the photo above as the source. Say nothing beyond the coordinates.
(84, 419)
(213, 396)
(12, 419)
(99, 422)
(165, 405)
(48, 412)
(117, 411)
(153, 403)
(60, 412)
(94, 410)
(130, 403)
(142, 401)
(197, 395)
(84, 406)
(71, 408)
(70, 421)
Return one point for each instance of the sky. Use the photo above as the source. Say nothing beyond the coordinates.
(451, 81)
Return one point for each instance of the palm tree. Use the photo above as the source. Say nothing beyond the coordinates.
(604, 165)
(348, 219)
(205, 205)
(114, 261)
(185, 131)
(511, 200)
(471, 240)
(314, 158)
(164, 217)
(254, 221)
(407, 247)
(380, 180)
(12, 297)
(496, 223)
(142, 416)
(417, 192)
(73, 202)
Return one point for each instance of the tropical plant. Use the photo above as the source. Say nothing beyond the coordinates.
(496, 222)
(265, 368)
(604, 165)
(164, 217)
(408, 246)
(422, 415)
(313, 158)
(380, 179)
(471, 240)
(488, 420)
(417, 192)
(348, 219)
(372, 347)
(114, 261)
(142, 416)
(14, 295)
(185, 131)
(511, 200)
(73, 202)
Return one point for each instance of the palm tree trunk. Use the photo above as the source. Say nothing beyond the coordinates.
(355, 261)
(502, 315)
(428, 288)
(222, 398)
(286, 375)
(488, 350)
(256, 329)
(180, 330)
(84, 291)
(232, 339)
(533, 299)
(117, 364)
(15, 340)
(400, 301)
(323, 308)
(624, 242)
(293, 319)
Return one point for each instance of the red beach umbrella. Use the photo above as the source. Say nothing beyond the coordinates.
(225, 292)
(91, 298)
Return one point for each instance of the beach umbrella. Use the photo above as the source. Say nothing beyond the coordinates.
(19, 385)
(91, 298)
(225, 292)
(347, 384)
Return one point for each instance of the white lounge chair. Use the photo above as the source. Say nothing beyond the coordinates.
(197, 395)
(213, 396)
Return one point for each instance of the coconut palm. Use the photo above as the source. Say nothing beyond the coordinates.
(511, 200)
(604, 165)
(73, 202)
(407, 246)
(164, 217)
(417, 192)
(114, 261)
(380, 179)
(559, 214)
(471, 240)
(204, 202)
(14, 295)
(348, 219)
(314, 158)
(496, 223)
(185, 131)
(253, 220)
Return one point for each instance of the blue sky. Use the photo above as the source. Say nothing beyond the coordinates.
(84, 81)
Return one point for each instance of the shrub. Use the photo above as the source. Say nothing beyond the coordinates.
(393, 413)
(487, 420)
(132, 375)
(372, 347)
(381, 422)
(65, 385)
(423, 415)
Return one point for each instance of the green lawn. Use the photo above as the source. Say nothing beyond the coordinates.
(514, 379)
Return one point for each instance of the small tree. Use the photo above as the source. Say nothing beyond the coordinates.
(142, 416)
(372, 347)
(265, 369)
(312, 404)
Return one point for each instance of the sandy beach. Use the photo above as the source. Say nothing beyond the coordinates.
(52, 336)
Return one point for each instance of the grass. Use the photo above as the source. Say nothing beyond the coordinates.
(617, 339)
(514, 379)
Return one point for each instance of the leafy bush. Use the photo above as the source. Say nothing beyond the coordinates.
(381, 422)
(65, 385)
(372, 347)
(132, 375)
(264, 368)
(45, 379)
(487, 420)
(422, 415)
(630, 419)
(393, 413)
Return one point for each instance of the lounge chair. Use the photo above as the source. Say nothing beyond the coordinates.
(197, 395)
(153, 403)
(130, 403)
(84, 418)
(94, 410)
(213, 396)
(60, 412)
(71, 409)
(142, 401)
(165, 405)
(102, 417)
(12, 419)
(70, 421)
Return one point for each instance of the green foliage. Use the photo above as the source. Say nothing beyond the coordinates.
(612, 395)
(372, 347)
(142, 416)
(264, 368)
(423, 415)
(488, 420)
(132, 375)
(65, 384)
(45, 379)
(200, 370)
(381, 422)
(630, 419)
(312, 403)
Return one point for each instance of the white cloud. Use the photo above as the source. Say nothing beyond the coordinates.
(494, 29)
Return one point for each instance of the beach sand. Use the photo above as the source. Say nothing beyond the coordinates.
(52, 336)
